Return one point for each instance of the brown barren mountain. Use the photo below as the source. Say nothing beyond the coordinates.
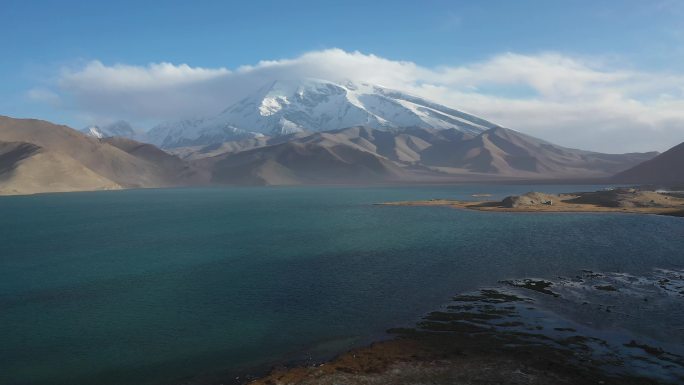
(169, 167)
(505, 152)
(55, 158)
(363, 155)
(667, 168)
(27, 169)
(38, 156)
(304, 163)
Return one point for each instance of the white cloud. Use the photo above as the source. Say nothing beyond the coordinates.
(577, 102)
(121, 77)
(44, 95)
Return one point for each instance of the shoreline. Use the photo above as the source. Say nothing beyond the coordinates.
(495, 336)
(483, 206)
(419, 183)
(413, 355)
(629, 201)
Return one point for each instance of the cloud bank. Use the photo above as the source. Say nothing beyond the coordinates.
(576, 102)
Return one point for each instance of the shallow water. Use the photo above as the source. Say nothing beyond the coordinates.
(167, 286)
(622, 324)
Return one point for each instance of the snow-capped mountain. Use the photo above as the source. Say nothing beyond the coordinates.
(193, 132)
(120, 128)
(288, 106)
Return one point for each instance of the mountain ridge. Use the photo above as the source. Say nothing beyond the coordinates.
(666, 168)
(417, 155)
(120, 128)
(43, 157)
(37, 156)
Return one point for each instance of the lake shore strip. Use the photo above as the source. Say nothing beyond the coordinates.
(623, 200)
(499, 336)
(417, 357)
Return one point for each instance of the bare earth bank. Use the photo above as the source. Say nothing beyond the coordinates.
(618, 200)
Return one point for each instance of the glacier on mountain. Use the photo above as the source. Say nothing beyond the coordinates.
(310, 105)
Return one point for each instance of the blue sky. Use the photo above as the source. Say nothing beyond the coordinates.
(43, 39)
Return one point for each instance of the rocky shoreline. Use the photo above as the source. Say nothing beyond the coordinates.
(517, 333)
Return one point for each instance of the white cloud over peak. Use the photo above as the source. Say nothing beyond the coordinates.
(572, 101)
(126, 77)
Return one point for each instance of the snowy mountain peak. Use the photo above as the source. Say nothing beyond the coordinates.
(295, 105)
(94, 131)
(120, 128)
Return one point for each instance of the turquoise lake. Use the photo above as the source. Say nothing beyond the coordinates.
(184, 286)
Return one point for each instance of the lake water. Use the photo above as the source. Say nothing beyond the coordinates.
(190, 285)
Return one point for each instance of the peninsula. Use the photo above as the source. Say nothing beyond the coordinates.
(623, 200)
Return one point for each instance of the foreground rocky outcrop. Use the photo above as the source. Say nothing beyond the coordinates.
(526, 331)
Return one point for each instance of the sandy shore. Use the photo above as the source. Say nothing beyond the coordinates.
(612, 201)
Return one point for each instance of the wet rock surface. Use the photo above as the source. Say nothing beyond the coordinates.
(594, 328)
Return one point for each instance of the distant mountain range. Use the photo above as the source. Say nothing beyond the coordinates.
(364, 154)
(303, 132)
(38, 156)
(120, 128)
